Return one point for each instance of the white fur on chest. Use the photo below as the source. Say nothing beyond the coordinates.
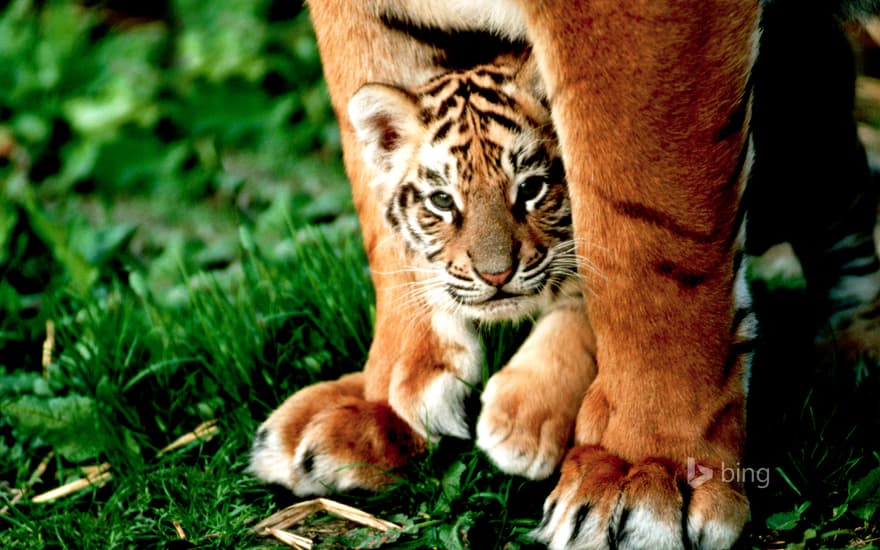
(501, 17)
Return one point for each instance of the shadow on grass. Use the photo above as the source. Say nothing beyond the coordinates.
(812, 430)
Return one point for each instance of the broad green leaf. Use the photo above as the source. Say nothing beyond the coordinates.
(158, 165)
(452, 480)
(221, 39)
(455, 536)
(864, 496)
(785, 521)
(365, 537)
(56, 236)
(69, 424)
(18, 382)
(97, 246)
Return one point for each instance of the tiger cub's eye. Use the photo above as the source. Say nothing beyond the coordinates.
(441, 201)
(529, 189)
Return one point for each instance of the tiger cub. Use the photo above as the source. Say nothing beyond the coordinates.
(472, 188)
(471, 181)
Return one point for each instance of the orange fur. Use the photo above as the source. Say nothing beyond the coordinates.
(662, 343)
(642, 93)
(424, 358)
(367, 439)
(649, 178)
(529, 406)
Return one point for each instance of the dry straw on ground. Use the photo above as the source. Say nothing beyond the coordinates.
(100, 474)
(97, 474)
(276, 524)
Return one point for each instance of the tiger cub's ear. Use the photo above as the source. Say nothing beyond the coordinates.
(386, 121)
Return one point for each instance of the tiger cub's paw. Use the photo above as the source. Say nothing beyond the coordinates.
(437, 408)
(431, 385)
(523, 429)
(601, 502)
(326, 438)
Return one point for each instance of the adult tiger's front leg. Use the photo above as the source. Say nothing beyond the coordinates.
(651, 107)
(422, 363)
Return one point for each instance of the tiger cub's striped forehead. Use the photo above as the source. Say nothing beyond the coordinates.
(481, 128)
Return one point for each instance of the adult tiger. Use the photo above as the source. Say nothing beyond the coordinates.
(651, 101)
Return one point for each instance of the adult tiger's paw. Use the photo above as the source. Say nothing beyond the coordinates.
(523, 429)
(602, 502)
(327, 438)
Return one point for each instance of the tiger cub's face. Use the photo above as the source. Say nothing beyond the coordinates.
(469, 176)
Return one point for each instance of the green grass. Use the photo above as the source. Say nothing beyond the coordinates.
(171, 198)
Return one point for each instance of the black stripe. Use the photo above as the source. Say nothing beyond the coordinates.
(447, 104)
(858, 270)
(685, 491)
(457, 219)
(407, 191)
(557, 170)
(260, 439)
(553, 200)
(735, 353)
(308, 461)
(737, 119)
(738, 317)
(458, 299)
(391, 218)
(547, 516)
(872, 313)
(565, 221)
(842, 305)
(441, 132)
(457, 287)
(743, 346)
(500, 119)
(685, 278)
(403, 201)
(579, 518)
(456, 50)
(431, 176)
(430, 223)
(652, 216)
(560, 234)
(738, 256)
(449, 268)
(433, 255)
(620, 535)
(538, 157)
(460, 150)
(518, 210)
(736, 174)
(490, 95)
(863, 248)
(442, 82)
(498, 78)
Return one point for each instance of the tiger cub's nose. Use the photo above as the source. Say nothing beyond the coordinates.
(497, 279)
